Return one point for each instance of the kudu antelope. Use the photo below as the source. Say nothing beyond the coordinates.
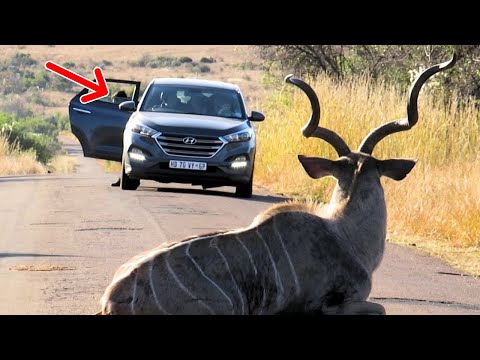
(294, 257)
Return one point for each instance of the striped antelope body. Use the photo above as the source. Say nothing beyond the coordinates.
(294, 257)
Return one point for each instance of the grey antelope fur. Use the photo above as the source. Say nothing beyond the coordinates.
(294, 257)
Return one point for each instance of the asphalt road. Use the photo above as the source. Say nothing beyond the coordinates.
(85, 228)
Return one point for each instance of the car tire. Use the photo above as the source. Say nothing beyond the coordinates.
(245, 190)
(125, 182)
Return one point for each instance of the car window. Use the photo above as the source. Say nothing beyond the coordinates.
(208, 101)
(119, 92)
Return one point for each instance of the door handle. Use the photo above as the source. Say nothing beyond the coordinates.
(82, 111)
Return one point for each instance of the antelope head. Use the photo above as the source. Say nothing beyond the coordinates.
(358, 171)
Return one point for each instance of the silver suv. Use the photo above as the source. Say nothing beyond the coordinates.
(182, 131)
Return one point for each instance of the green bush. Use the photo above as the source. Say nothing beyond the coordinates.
(68, 65)
(208, 60)
(37, 125)
(164, 61)
(200, 68)
(33, 133)
(22, 59)
(62, 122)
(37, 80)
(20, 73)
(38, 98)
(59, 83)
(142, 62)
(161, 61)
(185, 59)
(247, 65)
(204, 68)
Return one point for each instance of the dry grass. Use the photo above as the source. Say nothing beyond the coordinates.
(40, 268)
(110, 166)
(438, 203)
(13, 161)
(63, 164)
(22, 164)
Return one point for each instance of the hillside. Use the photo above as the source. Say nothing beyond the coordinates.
(26, 84)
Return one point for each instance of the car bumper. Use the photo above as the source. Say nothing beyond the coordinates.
(153, 163)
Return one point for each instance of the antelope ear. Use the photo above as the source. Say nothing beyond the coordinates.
(317, 168)
(396, 169)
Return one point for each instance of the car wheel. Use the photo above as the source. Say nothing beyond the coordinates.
(245, 190)
(125, 182)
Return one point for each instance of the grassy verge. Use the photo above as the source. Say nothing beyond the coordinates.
(62, 164)
(15, 161)
(111, 166)
(437, 205)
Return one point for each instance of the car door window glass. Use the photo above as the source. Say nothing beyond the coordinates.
(118, 93)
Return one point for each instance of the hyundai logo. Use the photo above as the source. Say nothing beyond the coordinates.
(189, 140)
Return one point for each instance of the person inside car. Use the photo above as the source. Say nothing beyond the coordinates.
(119, 96)
(225, 110)
(224, 107)
(198, 105)
(168, 100)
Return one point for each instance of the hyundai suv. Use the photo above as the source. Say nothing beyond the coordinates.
(181, 130)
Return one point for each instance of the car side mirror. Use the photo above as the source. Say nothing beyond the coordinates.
(256, 116)
(127, 105)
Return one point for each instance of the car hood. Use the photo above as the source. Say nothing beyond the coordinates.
(189, 124)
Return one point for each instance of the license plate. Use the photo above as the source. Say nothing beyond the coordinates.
(188, 165)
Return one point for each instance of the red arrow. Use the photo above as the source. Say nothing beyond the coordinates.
(99, 89)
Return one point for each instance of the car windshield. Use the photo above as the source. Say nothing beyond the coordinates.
(208, 101)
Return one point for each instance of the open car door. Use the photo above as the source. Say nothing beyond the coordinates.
(99, 125)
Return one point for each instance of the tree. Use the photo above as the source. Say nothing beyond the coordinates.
(391, 63)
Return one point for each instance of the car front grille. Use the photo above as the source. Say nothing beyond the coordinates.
(203, 146)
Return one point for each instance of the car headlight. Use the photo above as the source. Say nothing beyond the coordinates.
(143, 129)
(243, 135)
(240, 162)
(136, 154)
